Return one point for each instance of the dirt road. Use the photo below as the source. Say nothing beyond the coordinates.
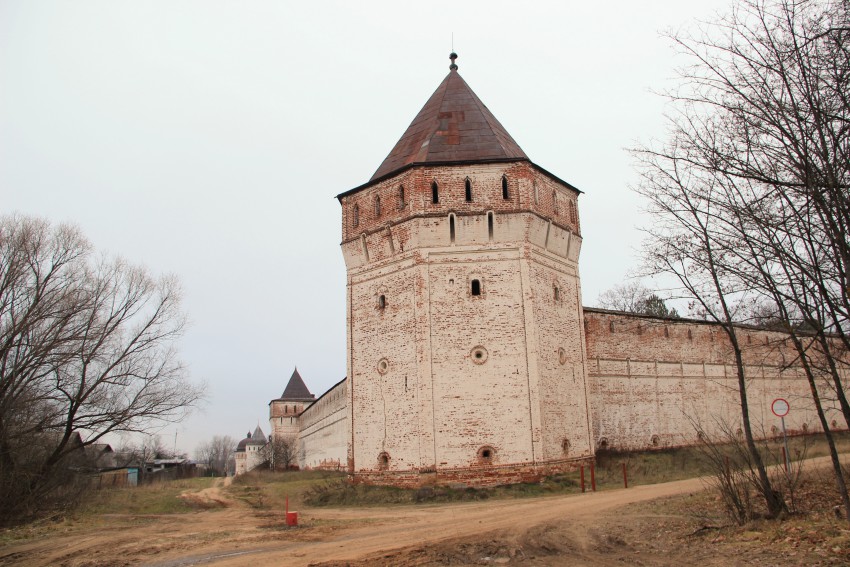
(586, 529)
(387, 530)
(239, 535)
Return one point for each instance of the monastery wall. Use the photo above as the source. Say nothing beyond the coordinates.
(483, 405)
(653, 380)
(324, 433)
(558, 360)
(383, 366)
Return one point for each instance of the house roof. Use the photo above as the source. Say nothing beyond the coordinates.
(296, 389)
(453, 126)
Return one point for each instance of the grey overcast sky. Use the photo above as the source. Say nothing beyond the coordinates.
(208, 138)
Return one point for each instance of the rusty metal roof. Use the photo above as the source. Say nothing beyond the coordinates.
(453, 126)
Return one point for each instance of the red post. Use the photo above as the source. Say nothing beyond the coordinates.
(625, 477)
(582, 478)
(784, 460)
(592, 477)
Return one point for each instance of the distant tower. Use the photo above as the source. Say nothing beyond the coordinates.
(284, 411)
(466, 357)
(249, 452)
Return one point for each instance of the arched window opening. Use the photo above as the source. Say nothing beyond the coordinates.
(383, 461)
(435, 193)
(490, 226)
(452, 228)
(486, 455)
(557, 294)
(355, 212)
(505, 194)
(555, 201)
(476, 287)
(382, 301)
(573, 215)
(377, 205)
(401, 196)
(468, 189)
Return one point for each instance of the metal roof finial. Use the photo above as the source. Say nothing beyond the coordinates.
(453, 56)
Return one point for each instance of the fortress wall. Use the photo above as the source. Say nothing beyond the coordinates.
(323, 439)
(558, 358)
(479, 369)
(382, 367)
(654, 380)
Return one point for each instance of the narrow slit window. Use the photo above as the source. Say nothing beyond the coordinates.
(355, 212)
(476, 287)
(382, 301)
(573, 214)
(452, 228)
(557, 294)
(555, 201)
(490, 226)
(505, 194)
(435, 193)
(468, 189)
(401, 197)
(377, 206)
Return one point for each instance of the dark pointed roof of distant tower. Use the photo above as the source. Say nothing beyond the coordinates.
(453, 126)
(296, 389)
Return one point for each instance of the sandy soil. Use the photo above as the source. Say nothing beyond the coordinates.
(628, 526)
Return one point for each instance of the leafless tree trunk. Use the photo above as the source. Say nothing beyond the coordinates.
(86, 349)
(283, 452)
(215, 452)
(754, 183)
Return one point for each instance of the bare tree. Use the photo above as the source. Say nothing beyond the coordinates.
(634, 297)
(283, 451)
(87, 348)
(215, 452)
(752, 186)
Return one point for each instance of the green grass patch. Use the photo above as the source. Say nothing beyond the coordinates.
(266, 490)
(157, 498)
(338, 492)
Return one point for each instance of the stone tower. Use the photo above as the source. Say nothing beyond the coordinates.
(466, 355)
(285, 410)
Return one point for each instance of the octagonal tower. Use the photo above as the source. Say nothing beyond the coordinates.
(466, 355)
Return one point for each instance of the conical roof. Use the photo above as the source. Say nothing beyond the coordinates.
(296, 389)
(258, 436)
(453, 126)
